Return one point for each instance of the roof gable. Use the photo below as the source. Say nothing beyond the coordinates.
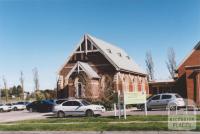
(81, 66)
(197, 47)
(115, 55)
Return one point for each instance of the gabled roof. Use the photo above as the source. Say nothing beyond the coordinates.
(194, 49)
(115, 55)
(82, 66)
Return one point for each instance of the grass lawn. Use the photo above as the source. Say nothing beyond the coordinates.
(133, 123)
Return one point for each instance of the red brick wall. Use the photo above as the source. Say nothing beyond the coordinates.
(192, 60)
(185, 84)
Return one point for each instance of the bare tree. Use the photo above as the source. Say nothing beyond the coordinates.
(36, 79)
(149, 65)
(5, 88)
(21, 79)
(171, 62)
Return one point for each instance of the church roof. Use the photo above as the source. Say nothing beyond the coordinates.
(115, 55)
(88, 70)
(85, 67)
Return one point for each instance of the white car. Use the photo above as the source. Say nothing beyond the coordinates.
(5, 108)
(19, 106)
(77, 107)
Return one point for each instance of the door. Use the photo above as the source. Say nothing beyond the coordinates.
(154, 102)
(165, 99)
(79, 90)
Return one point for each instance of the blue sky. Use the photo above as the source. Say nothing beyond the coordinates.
(42, 33)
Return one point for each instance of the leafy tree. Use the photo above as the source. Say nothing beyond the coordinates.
(19, 91)
(14, 91)
(39, 95)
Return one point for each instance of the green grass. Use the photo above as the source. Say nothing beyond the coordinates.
(85, 127)
(92, 124)
(97, 119)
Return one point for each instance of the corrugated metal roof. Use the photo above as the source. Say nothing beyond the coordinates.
(117, 56)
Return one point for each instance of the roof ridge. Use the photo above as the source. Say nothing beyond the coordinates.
(110, 44)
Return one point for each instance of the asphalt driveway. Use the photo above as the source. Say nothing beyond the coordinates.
(26, 115)
(21, 115)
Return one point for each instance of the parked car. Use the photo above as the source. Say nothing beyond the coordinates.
(163, 101)
(40, 106)
(77, 107)
(18, 106)
(10, 106)
(59, 101)
(5, 108)
(23, 103)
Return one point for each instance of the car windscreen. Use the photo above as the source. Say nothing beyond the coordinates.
(178, 96)
(60, 101)
(85, 103)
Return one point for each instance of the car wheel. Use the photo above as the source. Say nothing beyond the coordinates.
(15, 109)
(172, 108)
(89, 113)
(149, 109)
(1, 110)
(60, 114)
(142, 108)
(31, 110)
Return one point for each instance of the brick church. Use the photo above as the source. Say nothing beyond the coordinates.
(96, 66)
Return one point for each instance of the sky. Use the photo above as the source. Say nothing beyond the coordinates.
(42, 33)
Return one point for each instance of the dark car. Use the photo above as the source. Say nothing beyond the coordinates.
(40, 106)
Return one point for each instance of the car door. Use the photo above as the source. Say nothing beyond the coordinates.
(78, 108)
(165, 99)
(71, 107)
(154, 102)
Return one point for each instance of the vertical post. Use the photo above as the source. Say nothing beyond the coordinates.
(145, 105)
(86, 44)
(115, 109)
(125, 106)
(125, 111)
(119, 104)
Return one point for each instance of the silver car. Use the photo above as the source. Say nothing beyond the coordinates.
(164, 101)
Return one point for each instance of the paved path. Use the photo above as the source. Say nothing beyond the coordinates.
(20, 115)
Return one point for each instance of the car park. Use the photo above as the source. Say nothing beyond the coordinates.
(163, 101)
(77, 107)
(40, 106)
(5, 108)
